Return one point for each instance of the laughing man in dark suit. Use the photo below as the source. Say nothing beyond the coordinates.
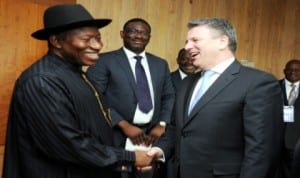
(234, 129)
(292, 128)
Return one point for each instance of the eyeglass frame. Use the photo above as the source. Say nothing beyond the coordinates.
(132, 31)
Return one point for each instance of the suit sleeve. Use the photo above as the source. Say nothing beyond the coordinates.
(167, 97)
(54, 127)
(263, 127)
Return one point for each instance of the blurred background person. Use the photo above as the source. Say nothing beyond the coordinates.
(185, 68)
(290, 94)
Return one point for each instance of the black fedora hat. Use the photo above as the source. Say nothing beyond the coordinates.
(63, 17)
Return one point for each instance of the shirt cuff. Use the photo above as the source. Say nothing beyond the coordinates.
(162, 158)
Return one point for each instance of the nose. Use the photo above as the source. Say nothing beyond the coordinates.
(139, 34)
(188, 45)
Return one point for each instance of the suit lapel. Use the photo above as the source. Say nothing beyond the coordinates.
(224, 79)
(283, 92)
(177, 76)
(125, 67)
(187, 90)
(153, 72)
(298, 97)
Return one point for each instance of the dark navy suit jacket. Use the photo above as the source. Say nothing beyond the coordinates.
(176, 79)
(234, 130)
(292, 130)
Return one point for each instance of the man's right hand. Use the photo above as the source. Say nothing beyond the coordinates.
(136, 135)
(155, 154)
(142, 159)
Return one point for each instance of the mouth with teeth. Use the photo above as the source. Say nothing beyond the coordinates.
(194, 54)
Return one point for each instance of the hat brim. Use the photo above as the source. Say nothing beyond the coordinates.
(43, 34)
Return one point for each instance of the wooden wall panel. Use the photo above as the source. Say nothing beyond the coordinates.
(18, 19)
(267, 29)
(267, 32)
(15, 49)
(167, 18)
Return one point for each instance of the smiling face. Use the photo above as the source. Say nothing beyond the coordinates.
(136, 36)
(81, 45)
(292, 71)
(185, 63)
(203, 45)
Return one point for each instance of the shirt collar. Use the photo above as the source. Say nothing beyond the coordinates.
(290, 83)
(131, 54)
(220, 68)
(182, 74)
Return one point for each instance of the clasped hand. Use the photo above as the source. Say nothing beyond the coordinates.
(144, 159)
(138, 137)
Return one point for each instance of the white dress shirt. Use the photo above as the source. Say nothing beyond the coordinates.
(218, 69)
(139, 116)
(288, 87)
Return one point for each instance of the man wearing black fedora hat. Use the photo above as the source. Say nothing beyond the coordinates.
(57, 125)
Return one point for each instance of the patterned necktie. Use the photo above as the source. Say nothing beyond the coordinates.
(293, 95)
(206, 82)
(142, 87)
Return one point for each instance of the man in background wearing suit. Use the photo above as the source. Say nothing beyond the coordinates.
(292, 124)
(295, 168)
(185, 68)
(115, 77)
(233, 130)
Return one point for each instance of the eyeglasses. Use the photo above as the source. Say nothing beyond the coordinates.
(137, 32)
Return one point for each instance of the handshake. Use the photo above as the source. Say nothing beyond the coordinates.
(140, 142)
(145, 159)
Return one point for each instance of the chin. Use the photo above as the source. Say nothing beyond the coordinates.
(89, 63)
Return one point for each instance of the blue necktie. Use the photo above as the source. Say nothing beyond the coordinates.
(206, 82)
(142, 88)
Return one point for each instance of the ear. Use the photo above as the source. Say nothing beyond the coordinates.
(224, 42)
(54, 41)
(122, 34)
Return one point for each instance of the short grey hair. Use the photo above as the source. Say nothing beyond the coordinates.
(222, 26)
